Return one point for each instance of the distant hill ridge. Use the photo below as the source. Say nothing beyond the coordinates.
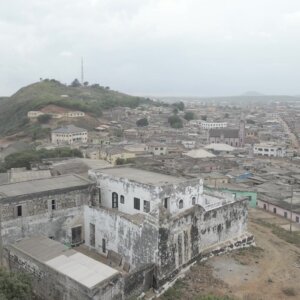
(90, 99)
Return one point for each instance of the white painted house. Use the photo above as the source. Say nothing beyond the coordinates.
(69, 134)
(269, 150)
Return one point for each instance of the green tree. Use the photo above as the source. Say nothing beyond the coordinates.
(179, 105)
(75, 83)
(175, 111)
(175, 121)
(44, 119)
(189, 115)
(204, 118)
(15, 286)
(142, 122)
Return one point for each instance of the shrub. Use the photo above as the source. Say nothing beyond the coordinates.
(15, 286)
(142, 122)
(44, 119)
(175, 122)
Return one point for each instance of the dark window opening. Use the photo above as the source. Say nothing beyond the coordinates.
(53, 204)
(76, 235)
(19, 210)
(136, 203)
(92, 235)
(166, 202)
(297, 219)
(274, 210)
(180, 203)
(193, 200)
(146, 206)
(265, 206)
(285, 214)
(122, 199)
(114, 200)
(103, 245)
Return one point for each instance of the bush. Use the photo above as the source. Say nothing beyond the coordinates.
(189, 116)
(44, 119)
(175, 122)
(25, 158)
(179, 105)
(15, 286)
(142, 122)
(289, 291)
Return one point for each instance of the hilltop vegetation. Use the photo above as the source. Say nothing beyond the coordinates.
(91, 99)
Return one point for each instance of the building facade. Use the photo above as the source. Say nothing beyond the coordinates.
(69, 134)
(269, 150)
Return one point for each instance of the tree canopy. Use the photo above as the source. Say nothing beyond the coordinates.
(15, 286)
(142, 122)
(25, 158)
(189, 115)
(179, 105)
(175, 121)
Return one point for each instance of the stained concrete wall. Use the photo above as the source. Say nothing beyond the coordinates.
(48, 284)
(185, 191)
(136, 240)
(39, 218)
(184, 237)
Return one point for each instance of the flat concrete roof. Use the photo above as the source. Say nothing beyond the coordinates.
(69, 262)
(41, 185)
(142, 176)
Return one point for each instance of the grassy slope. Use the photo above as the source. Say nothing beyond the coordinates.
(13, 110)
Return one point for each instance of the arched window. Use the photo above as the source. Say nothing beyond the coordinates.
(193, 200)
(180, 204)
(114, 200)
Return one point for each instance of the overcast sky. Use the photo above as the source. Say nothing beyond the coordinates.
(154, 47)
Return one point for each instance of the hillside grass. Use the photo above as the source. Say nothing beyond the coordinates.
(92, 100)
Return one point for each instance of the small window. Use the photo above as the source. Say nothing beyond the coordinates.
(146, 206)
(137, 203)
(19, 210)
(103, 245)
(193, 200)
(180, 204)
(274, 210)
(166, 202)
(297, 219)
(122, 199)
(285, 214)
(53, 204)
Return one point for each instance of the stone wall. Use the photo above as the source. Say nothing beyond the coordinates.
(38, 217)
(135, 239)
(185, 237)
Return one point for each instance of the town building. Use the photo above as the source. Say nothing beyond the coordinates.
(69, 134)
(269, 150)
(232, 137)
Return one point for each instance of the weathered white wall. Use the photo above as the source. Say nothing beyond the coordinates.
(136, 242)
(155, 194)
(184, 237)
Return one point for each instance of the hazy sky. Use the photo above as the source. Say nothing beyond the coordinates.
(154, 47)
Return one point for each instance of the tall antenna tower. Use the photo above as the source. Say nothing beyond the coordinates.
(82, 74)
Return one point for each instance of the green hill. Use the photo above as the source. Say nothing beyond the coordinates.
(91, 99)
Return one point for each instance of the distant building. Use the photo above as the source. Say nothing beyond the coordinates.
(69, 134)
(232, 137)
(34, 114)
(212, 125)
(270, 150)
(158, 148)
